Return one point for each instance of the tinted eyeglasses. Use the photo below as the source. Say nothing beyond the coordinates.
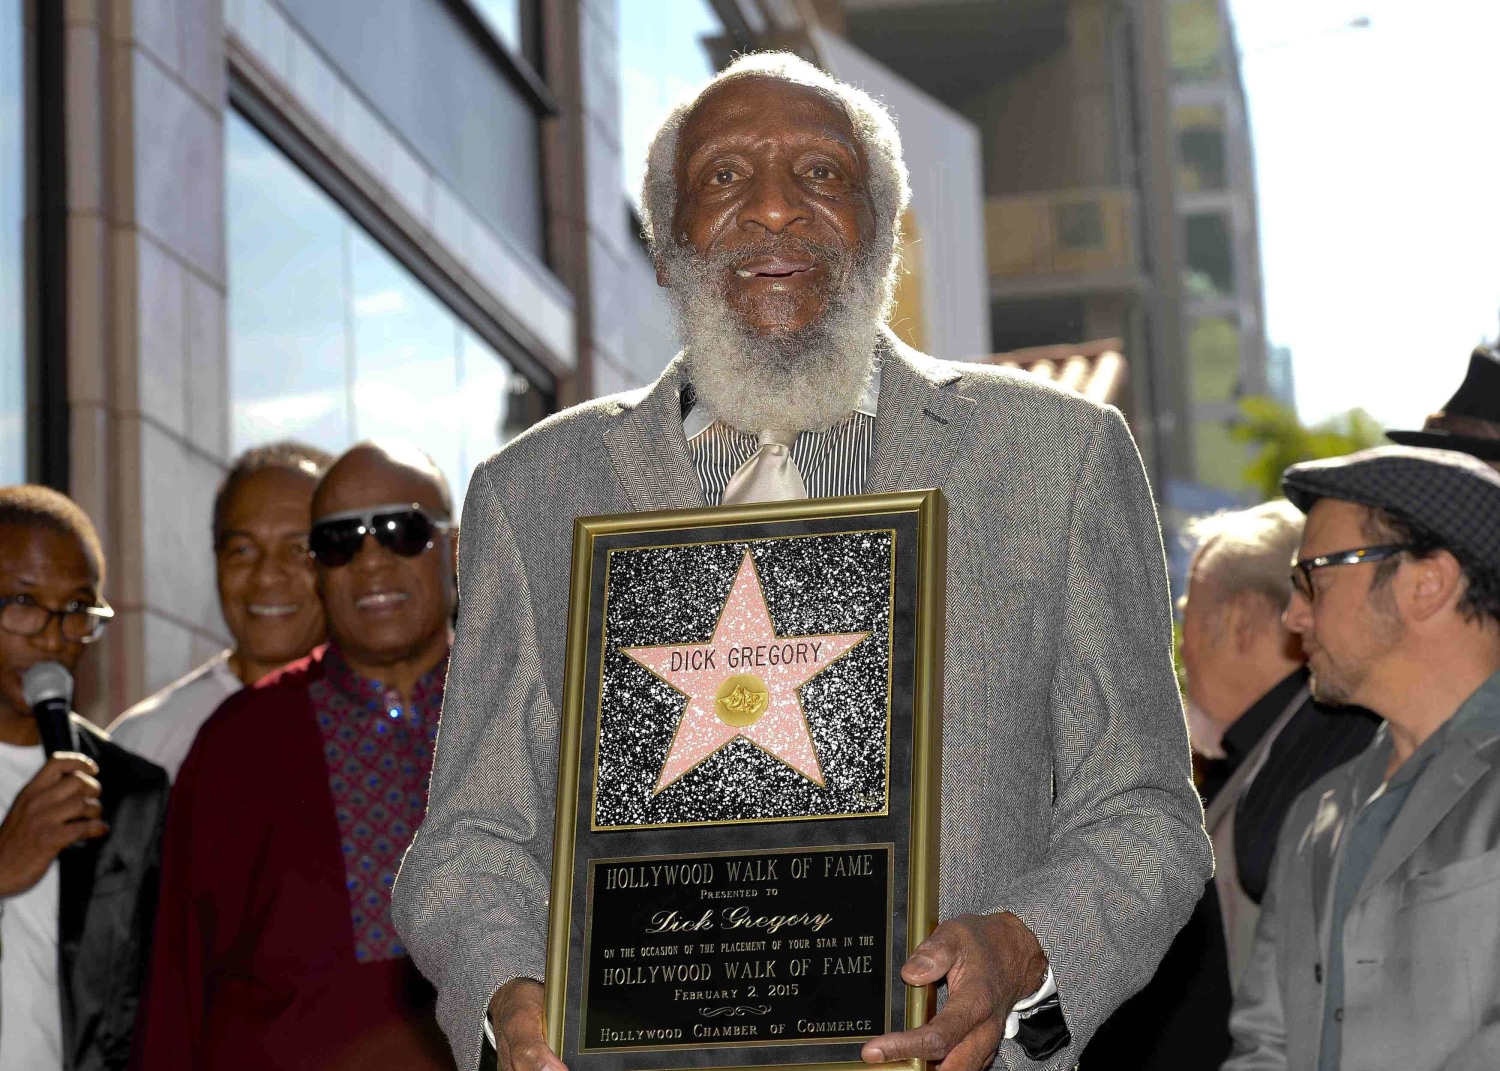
(21, 615)
(404, 529)
(1302, 570)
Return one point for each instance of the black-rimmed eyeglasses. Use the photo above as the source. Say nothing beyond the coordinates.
(21, 615)
(401, 528)
(1302, 570)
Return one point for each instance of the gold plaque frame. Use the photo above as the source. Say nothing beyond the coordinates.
(929, 511)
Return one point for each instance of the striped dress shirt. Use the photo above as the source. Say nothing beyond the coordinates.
(832, 462)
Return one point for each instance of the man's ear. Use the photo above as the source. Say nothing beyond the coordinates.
(661, 275)
(1432, 584)
(1249, 614)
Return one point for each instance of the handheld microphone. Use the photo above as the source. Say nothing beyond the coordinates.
(48, 687)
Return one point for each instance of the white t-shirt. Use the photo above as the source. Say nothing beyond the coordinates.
(30, 1009)
(162, 728)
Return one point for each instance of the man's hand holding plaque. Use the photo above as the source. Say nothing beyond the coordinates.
(990, 963)
(518, 1018)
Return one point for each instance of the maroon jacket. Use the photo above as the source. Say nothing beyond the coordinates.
(253, 965)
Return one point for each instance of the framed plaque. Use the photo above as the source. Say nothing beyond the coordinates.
(745, 845)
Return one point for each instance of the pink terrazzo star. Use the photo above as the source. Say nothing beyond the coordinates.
(765, 708)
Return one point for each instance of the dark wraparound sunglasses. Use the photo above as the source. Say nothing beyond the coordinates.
(1302, 571)
(402, 528)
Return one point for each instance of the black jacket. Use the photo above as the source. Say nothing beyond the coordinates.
(106, 906)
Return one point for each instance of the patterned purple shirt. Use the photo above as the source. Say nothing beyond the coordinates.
(379, 756)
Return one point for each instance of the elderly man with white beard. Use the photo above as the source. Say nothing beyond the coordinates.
(1072, 845)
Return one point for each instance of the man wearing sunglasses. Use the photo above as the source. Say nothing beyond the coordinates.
(79, 845)
(1379, 939)
(275, 947)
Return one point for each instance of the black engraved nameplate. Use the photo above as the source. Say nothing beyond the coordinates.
(738, 948)
(745, 844)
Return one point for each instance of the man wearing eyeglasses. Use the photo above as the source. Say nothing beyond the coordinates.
(1379, 940)
(79, 845)
(274, 945)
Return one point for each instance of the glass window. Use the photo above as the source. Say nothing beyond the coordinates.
(420, 67)
(332, 340)
(12, 244)
(1200, 149)
(1210, 256)
(288, 337)
(1214, 356)
(1195, 37)
(663, 56)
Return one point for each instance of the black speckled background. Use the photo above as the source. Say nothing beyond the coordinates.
(813, 586)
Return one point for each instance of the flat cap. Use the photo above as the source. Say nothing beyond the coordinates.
(1455, 496)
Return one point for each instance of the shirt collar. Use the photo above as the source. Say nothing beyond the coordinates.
(1476, 717)
(698, 418)
(1250, 726)
(426, 694)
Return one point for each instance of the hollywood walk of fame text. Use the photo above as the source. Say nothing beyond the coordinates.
(788, 945)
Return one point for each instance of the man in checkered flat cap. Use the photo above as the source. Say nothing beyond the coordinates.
(1379, 942)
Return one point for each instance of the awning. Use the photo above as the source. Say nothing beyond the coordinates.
(1097, 369)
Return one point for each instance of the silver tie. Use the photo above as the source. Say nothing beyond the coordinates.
(770, 475)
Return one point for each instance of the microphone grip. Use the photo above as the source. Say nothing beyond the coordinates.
(55, 726)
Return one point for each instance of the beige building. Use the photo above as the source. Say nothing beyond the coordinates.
(224, 222)
(1223, 307)
(1081, 234)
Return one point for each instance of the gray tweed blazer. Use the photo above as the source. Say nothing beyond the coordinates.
(1421, 943)
(1067, 795)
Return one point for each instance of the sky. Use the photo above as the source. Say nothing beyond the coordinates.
(1378, 163)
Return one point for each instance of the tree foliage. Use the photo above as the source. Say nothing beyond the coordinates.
(1283, 440)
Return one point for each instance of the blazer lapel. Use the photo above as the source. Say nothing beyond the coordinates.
(1453, 771)
(1228, 797)
(919, 422)
(648, 450)
(76, 868)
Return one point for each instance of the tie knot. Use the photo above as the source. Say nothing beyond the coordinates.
(783, 439)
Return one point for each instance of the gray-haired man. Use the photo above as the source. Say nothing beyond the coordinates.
(1246, 673)
(1072, 842)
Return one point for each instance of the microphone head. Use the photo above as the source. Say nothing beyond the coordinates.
(47, 680)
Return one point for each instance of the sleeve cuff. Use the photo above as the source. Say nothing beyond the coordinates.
(1037, 1023)
(1026, 1004)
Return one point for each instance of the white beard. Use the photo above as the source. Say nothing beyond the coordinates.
(794, 381)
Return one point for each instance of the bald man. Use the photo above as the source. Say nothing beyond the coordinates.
(274, 946)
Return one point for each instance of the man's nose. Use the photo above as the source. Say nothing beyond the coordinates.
(774, 202)
(1298, 613)
(50, 640)
(371, 554)
(273, 566)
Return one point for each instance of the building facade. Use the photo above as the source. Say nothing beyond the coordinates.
(1081, 232)
(226, 222)
(1223, 318)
